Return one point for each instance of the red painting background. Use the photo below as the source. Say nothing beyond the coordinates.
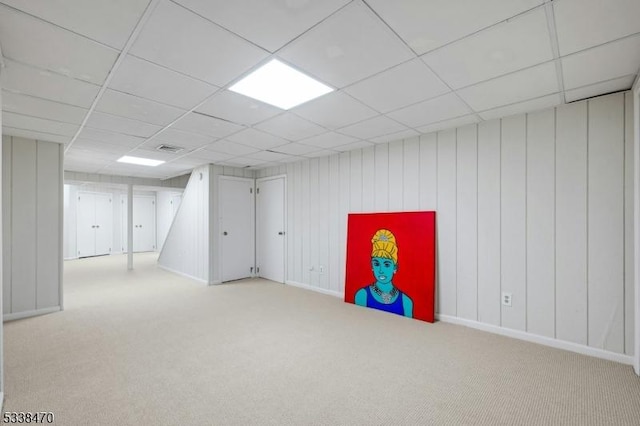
(415, 234)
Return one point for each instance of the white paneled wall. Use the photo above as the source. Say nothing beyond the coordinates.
(32, 234)
(190, 245)
(538, 205)
(186, 248)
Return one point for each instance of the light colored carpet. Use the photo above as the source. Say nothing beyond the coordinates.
(150, 347)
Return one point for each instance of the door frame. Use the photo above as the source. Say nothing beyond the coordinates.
(636, 218)
(285, 220)
(219, 221)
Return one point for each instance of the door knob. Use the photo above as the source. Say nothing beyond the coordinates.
(93, 226)
(97, 226)
(225, 233)
(281, 233)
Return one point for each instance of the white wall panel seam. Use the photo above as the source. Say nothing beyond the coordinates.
(587, 222)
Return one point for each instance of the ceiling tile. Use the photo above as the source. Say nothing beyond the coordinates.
(183, 139)
(519, 86)
(200, 48)
(328, 140)
(291, 127)
(35, 42)
(96, 146)
(294, 149)
(373, 127)
(100, 120)
(256, 139)
(27, 122)
(110, 137)
(135, 108)
(231, 148)
(45, 84)
(147, 80)
(321, 153)
(602, 63)
(400, 86)
(206, 125)
(602, 88)
(30, 134)
(42, 108)
(449, 124)
(237, 108)
(347, 47)
(509, 46)
(109, 22)
(82, 166)
(581, 24)
(427, 25)
(267, 24)
(431, 111)
(269, 156)
(243, 162)
(210, 156)
(522, 107)
(395, 136)
(80, 153)
(334, 110)
(353, 145)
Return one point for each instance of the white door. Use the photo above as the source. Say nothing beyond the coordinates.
(236, 224)
(270, 236)
(94, 224)
(123, 223)
(104, 223)
(85, 224)
(144, 223)
(175, 203)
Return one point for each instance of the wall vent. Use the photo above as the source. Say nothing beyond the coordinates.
(169, 148)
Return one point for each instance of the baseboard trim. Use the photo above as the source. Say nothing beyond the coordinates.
(1, 402)
(316, 289)
(542, 340)
(28, 314)
(215, 282)
(200, 280)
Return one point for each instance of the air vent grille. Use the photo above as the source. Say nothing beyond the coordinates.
(169, 148)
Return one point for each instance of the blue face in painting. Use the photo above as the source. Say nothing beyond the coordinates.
(383, 269)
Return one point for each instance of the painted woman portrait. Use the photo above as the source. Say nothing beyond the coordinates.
(382, 294)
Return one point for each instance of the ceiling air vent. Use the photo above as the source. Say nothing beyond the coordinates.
(169, 148)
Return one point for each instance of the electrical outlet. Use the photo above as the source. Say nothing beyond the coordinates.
(506, 298)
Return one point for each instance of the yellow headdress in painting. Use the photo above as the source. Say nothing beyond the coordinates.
(384, 245)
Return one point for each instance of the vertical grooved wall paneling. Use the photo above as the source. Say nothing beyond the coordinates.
(489, 260)
(314, 220)
(629, 256)
(571, 223)
(541, 222)
(291, 212)
(467, 222)
(513, 202)
(606, 222)
(446, 238)
(6, 224)
(411, 177)
(323, 221)
(32, 200)
(538, 205)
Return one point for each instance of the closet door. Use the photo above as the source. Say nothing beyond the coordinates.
(103, 224)
(144, 223)
(86, 225)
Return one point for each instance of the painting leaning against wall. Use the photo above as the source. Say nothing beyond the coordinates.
(391, 262)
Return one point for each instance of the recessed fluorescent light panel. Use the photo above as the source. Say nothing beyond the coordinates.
(140, 161)
(280, 85)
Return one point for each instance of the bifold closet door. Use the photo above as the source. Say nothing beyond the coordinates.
(94, 224)
(144, 223)
(237, 246)
(270, 236)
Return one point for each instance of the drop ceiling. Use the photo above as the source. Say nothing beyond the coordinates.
(115, 78)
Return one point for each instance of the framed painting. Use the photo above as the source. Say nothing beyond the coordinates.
(391, 260)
